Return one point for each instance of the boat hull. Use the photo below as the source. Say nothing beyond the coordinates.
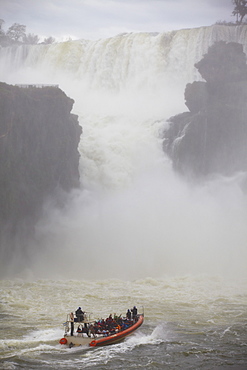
(115, 338)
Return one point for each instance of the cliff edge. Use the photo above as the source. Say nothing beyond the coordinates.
(212, 137)
(39, 139)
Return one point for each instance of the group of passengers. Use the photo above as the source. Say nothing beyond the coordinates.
(108, 326)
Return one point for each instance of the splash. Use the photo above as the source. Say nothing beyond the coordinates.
(133, 217)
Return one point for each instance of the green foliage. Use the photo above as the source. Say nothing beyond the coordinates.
(240, 10)
(31, 39)
(16, 34)
(49, 40)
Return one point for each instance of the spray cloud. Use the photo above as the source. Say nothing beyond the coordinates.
(132, 216)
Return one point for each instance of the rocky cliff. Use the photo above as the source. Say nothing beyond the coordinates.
(39, 138)
(212, 137)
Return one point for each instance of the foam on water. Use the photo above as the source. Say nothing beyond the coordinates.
(47, 335)
(188, 314)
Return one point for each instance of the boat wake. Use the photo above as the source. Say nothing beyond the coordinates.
(47, 335)
(36, 341)
(160, 333)
(96, 356)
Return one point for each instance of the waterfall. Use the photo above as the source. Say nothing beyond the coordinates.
(138, 75)
(131, 205)
(131, 61)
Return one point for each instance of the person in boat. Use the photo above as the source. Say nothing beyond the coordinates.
(72, 324)
(79, 314)
(92, 330)
(119, 320)
(101, 324)
(128, 314)
(96, 327)
(109, 322)
(80, 330)
(85, 329)
(109, 319)
(134, 313)
(125, 325)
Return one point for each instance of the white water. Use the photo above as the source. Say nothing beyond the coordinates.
(133, 216)
(190, 322)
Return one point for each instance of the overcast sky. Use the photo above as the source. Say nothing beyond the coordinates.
(94, 19)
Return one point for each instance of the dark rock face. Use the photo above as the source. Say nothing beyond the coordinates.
(38, 150)
(212, 136)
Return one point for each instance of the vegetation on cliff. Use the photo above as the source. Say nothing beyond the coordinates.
(240, 9)
(38, 149)
(16, 35)
(212, 136)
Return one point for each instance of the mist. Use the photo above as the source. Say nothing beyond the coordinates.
(133, 216)
(156, 226)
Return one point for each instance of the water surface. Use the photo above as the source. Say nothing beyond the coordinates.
(190, 323)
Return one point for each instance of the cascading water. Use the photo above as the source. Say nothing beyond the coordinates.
(133, 222)
(128, 61)
(131, 203)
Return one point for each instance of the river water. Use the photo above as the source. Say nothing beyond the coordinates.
(190, 323)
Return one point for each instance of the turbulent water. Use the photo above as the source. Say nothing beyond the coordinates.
(135, 233)
(190, 323)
